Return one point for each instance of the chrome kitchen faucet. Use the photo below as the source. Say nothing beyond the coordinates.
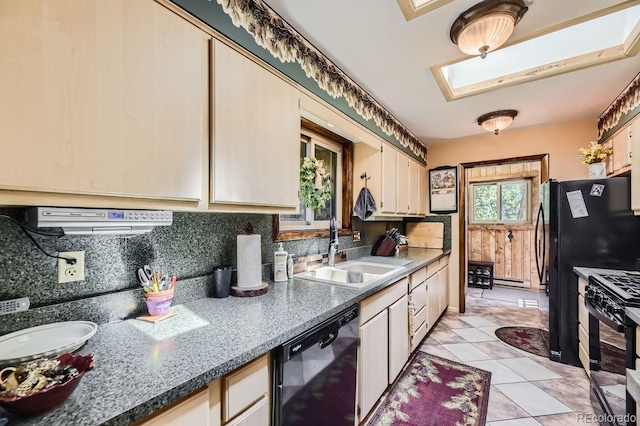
(333, 241)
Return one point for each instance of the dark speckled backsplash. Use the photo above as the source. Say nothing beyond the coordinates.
(189, 249)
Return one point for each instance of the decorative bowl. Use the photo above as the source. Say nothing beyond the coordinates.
(53, 396)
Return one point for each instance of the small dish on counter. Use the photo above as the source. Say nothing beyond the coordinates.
(38, 386)
(47, 340)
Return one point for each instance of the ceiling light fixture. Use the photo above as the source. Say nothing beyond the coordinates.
(497, 120)
(486, 26)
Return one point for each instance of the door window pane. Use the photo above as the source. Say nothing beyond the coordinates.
(513, 201)
(485, 203)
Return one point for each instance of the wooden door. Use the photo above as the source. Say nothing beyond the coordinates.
(373, 361)
(389, 202)
(433, 300)
(256, 144)
(398, 336)
(103, 97)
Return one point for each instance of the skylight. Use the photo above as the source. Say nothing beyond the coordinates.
(414, 8)
(588, 43)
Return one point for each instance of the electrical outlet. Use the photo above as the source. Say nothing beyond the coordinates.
(68, 273)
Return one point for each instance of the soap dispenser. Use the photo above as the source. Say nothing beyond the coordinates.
(280, 264)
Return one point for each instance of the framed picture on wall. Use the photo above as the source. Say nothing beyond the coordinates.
(443, 189)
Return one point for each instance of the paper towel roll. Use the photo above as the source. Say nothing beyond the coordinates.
(249, 261)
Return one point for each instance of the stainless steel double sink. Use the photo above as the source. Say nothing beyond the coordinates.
(353, 274)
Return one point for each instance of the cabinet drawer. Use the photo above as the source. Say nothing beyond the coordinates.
(257, 415)
(582, 283)
(584, 358)
(371, 306)
(418, 277)
(418, 336)
(194, 409)
(245, 386)
(583, 314)
(419, 297)
(432, 268)
(583, 335)
(444, 261)
(418, 320)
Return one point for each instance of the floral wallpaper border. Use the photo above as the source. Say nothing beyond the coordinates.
(625, 102)
(285, 43)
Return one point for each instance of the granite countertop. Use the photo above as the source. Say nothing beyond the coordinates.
(141, 367)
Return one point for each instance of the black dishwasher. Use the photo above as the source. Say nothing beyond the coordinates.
(314, 375)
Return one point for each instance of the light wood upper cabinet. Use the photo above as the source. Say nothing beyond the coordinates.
(256, 142)
(415, 187)
(397, 182)
(403, 185)
(424, 192)
(634, 142)
(621, 144)
(103, 97)
(389, 201)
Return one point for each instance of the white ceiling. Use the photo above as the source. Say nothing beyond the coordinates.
(389, 57)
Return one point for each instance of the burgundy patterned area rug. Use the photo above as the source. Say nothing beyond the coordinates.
(434, 391)
(536, 341)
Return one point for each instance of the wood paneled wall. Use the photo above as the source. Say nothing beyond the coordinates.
(515, 258)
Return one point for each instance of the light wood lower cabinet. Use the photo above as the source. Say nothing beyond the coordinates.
(192, 410)
(241, 398)
(384, 341)
(244, 387)
(428, 298)
(373, 361)
(256, 415)
(102, 97)
(398, 337)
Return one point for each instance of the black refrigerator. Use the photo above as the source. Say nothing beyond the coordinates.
(588, 223)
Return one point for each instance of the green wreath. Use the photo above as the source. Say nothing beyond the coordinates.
(315, 184)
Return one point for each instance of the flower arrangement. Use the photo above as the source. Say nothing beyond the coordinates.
(594, 153)
(315, 184)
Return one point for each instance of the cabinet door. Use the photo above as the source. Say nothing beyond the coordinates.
(424, 191)
(193, 410)
(398, 337)
(621, 150)
(103, 97)
(415, 189)
(373, 361)
(389, 202)
(404, 184)
(433, 300)
(256, 144)
(444, 288)
(634, 136)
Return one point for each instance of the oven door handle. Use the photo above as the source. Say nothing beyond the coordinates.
(605, 319)
(329, 339)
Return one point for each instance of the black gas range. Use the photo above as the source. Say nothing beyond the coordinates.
(607, 296)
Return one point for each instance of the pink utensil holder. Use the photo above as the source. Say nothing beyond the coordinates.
(158, 303)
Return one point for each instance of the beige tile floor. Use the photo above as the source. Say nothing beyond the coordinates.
(526, 389)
